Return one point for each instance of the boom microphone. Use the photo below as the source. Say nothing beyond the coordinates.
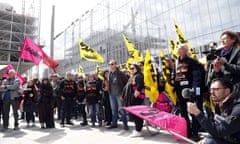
(188, 93)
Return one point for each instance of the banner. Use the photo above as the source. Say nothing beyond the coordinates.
(132, 50)
(31, 51)
(88, 53)
(161, 119)
(181, 39)
(150, 78)
(99, 73)
(51, 63)
(169, 89)
(10, 67)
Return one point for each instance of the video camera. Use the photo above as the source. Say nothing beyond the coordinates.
(212, 52)
(191, 93)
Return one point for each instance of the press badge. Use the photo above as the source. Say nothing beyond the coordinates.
(184, 83)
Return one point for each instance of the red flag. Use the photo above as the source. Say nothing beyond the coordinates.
(50, 62)
(31, 51)
(10, 67)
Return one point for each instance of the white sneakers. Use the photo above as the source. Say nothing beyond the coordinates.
(135, 134)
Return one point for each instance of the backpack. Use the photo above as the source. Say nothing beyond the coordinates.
(163, 103)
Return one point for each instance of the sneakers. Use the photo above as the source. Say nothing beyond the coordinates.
(84, 123)
(93, 125)
(195, 138)
(61, 124)
(100, 124)
(70, 123)
(135, 134)
(125, 127)
(16, 128)
(108, 124)
(112, 126)
(33, 125)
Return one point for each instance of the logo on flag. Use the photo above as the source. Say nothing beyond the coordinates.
(31, 51)
(150, 78)
(88, 53)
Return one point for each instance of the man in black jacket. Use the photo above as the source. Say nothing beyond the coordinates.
(68, 91)
(117, 81)
(226, 128)
(188, 75)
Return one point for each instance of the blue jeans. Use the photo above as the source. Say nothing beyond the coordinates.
(116, 105)
(94, 109)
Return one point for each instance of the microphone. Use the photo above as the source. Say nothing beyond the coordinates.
(188, 93)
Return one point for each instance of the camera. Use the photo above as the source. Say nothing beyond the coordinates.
(191, 93)
(212, 53)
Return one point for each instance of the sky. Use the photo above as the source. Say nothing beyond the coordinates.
(66, 11)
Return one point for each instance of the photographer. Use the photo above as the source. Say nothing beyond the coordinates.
(227, 62)
(226, 128)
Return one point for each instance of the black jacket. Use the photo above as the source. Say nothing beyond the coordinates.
(227, 130)
(121, 80)
(230, 70)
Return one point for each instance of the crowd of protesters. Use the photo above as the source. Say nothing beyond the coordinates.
(77, 96)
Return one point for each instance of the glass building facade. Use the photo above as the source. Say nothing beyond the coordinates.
(148, 24)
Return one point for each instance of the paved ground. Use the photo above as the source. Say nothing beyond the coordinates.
(84, 135)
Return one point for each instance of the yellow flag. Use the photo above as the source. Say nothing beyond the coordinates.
(173, 48)
(88, 53)
(181, 39)
(150, 78)
(99, 72)
(121, 66)
(169, 89)
(209, 104)
(132, 50)
(129, 62)
(80, 71)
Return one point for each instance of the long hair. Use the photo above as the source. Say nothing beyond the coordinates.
(233, 36)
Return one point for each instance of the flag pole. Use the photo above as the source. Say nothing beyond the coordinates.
(52, 34)
(18, 64)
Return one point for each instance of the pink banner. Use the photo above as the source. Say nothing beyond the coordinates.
(164, 120)
(31, 51)
(10, 67)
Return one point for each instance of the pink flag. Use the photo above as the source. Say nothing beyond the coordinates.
(10, 67)
(31, 51)
(50, 62)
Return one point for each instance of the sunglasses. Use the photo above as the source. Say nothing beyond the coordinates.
(111, 64)
(132, 68)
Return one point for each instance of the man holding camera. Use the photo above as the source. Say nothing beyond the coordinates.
(226, 126)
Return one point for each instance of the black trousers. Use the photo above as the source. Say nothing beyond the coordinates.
(107, 109)
(57, 102)
(30, 117)
(6, 109)
(1, 110)
(137, 121)
(192, 126)
(67, 105)
(83, 112)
